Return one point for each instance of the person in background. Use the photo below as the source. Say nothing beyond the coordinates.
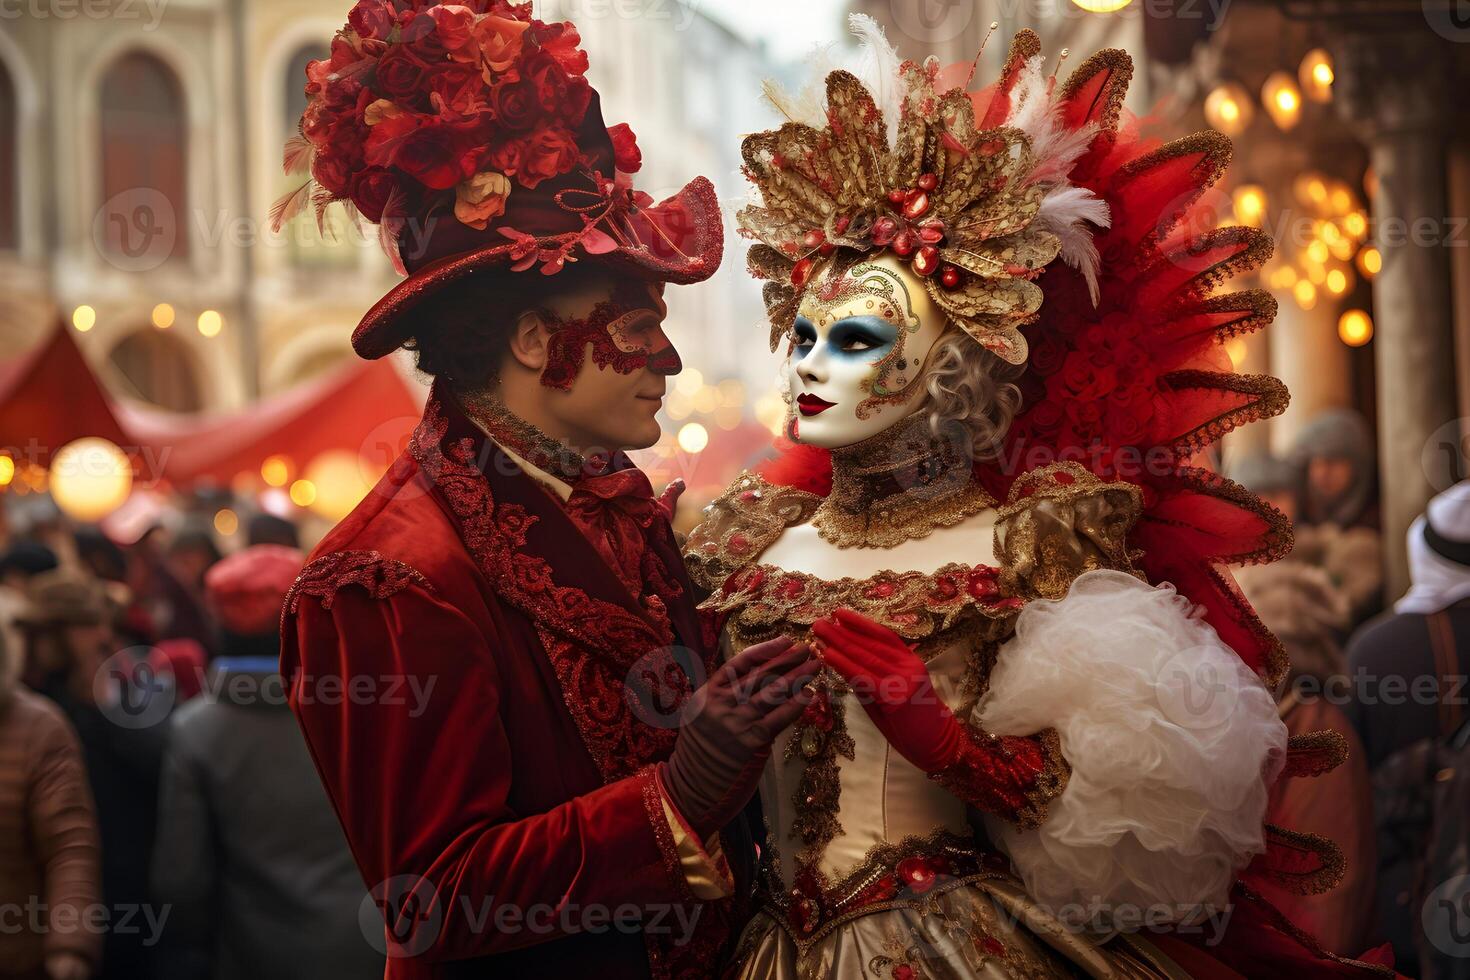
(249, 853)
(48, 839)
(21, 562)
(1409, 694)
(1273, 479)
(1351, 556)
(265, 528)
(1307, 611)
(1334, 453)
(69, 658)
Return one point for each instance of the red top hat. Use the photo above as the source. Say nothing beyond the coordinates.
(469, 134)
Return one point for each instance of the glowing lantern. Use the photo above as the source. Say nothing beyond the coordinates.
(211, 323)
(276, 470)
(84, 318)
(1355, 328)
(1229, 109)
(1102, 6)
(7, 470)
(90, 478)
(1305, 294)
(163, 316)
(1249, 201)
(339, 480)
(226, 522)
(1316, 75)
(1282, 100)
(1370, 260)
(693, 437)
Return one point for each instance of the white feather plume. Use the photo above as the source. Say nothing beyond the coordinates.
(877, 67)
(1066, 213)
(875, 64)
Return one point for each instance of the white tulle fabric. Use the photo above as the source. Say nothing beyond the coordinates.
(1172, 740)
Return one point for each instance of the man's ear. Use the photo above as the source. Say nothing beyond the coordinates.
(528, 341)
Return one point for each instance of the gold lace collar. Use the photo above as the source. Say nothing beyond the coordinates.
(900, 485)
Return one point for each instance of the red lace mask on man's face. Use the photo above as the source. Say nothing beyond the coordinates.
(625, 332)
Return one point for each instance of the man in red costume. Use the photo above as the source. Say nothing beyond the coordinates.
(494, 658)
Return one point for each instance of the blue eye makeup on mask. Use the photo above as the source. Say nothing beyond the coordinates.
(805, 335)
(865, 337)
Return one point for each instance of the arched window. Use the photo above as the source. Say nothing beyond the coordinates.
(144, 131)
(159, 368)
(9, 163)
(307, 245)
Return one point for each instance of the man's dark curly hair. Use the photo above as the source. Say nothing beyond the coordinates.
(466, 326)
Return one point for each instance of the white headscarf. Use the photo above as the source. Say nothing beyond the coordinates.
(1438, 582)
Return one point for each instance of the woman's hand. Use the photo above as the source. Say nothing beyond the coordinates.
(893, 686)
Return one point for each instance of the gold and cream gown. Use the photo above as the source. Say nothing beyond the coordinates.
(873, 868)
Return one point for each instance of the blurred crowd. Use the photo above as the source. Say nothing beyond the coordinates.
(1384, 673)
(160, 816)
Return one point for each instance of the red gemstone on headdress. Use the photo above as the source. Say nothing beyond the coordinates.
(926, 260)
(903, 244)
(898, 195)
(813, 238)
(827, 249)
(883, 231)
(932, 231)
(949, 276)
(840, 225)
(917, 206)
(927, 182)
(801, 272)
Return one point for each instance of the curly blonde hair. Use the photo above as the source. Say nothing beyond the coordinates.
(969, 386)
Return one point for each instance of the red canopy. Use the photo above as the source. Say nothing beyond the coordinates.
(364, 407)
(49, 396)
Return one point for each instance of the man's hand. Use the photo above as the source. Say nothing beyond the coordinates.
(729, 726)
(67, 966)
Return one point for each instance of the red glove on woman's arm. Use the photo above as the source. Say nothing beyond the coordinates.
(1009, 776)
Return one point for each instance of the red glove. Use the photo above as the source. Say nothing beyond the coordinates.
(1001, 775)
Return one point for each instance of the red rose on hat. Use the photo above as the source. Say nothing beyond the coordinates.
(550, 152)
(372, 19)
(371, 190)
(629, 159)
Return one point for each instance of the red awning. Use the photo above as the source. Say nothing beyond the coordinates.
(49, 396)
(364, 407)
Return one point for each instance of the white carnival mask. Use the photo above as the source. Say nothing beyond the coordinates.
(856, 358)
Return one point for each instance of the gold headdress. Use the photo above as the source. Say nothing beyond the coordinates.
(977, 208)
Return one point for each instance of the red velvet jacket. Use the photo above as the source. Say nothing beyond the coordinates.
(482, 698)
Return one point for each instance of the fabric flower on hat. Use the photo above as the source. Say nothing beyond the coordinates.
(424, 106)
